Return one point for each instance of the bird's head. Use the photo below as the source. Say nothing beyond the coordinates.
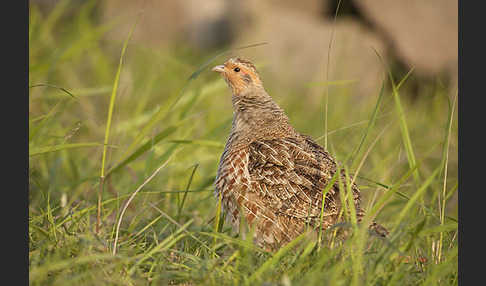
(240, 74)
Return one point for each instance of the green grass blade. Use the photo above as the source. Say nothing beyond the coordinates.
(405, 134)
(218, 222)
(230, 240)
(34, 129)
(185, 193)
(34, 151)
(446, 227)
(272, 262)
(324, 193)
(444, 165)
(36, 272)
(144, 148)
(163, 245)
(402, 119)
(328, 65)
(391, 190)
(418, 194)
(54, 86)
(147, 226)
(350, 198)
(108, 123)
(178, 225)
(371, 124)
(113, 98)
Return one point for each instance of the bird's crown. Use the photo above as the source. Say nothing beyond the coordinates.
(240, 74)
(244, 62)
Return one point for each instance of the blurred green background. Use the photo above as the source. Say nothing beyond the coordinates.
(168, 105)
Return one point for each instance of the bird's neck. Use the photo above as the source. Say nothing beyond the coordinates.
(255, 115)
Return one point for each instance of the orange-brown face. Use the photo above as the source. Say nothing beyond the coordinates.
(238, 73)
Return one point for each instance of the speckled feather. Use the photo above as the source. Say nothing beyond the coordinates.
(269, 172)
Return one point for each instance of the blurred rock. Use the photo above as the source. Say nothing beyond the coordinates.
(309, 8)
(215, 23)
(160, 22)
(298, 36)
(203, 25)
(423, 34)
(298, 48)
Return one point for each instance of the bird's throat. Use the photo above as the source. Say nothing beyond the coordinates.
(255, 112)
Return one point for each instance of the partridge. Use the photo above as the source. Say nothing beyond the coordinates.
(270, 174)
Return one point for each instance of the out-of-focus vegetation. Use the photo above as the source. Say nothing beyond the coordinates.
(407, 166)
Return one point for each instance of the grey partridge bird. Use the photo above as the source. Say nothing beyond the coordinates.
(270, 173)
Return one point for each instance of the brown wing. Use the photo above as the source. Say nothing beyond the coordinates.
(292, 173)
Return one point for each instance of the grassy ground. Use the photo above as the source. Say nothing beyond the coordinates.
(164, 136)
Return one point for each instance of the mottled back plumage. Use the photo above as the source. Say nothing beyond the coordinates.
(270, 173)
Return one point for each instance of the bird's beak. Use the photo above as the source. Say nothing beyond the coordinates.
(219, 68)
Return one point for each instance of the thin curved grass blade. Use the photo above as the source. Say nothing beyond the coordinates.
(34, 151)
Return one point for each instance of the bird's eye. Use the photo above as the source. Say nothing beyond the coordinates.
(237, 69)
